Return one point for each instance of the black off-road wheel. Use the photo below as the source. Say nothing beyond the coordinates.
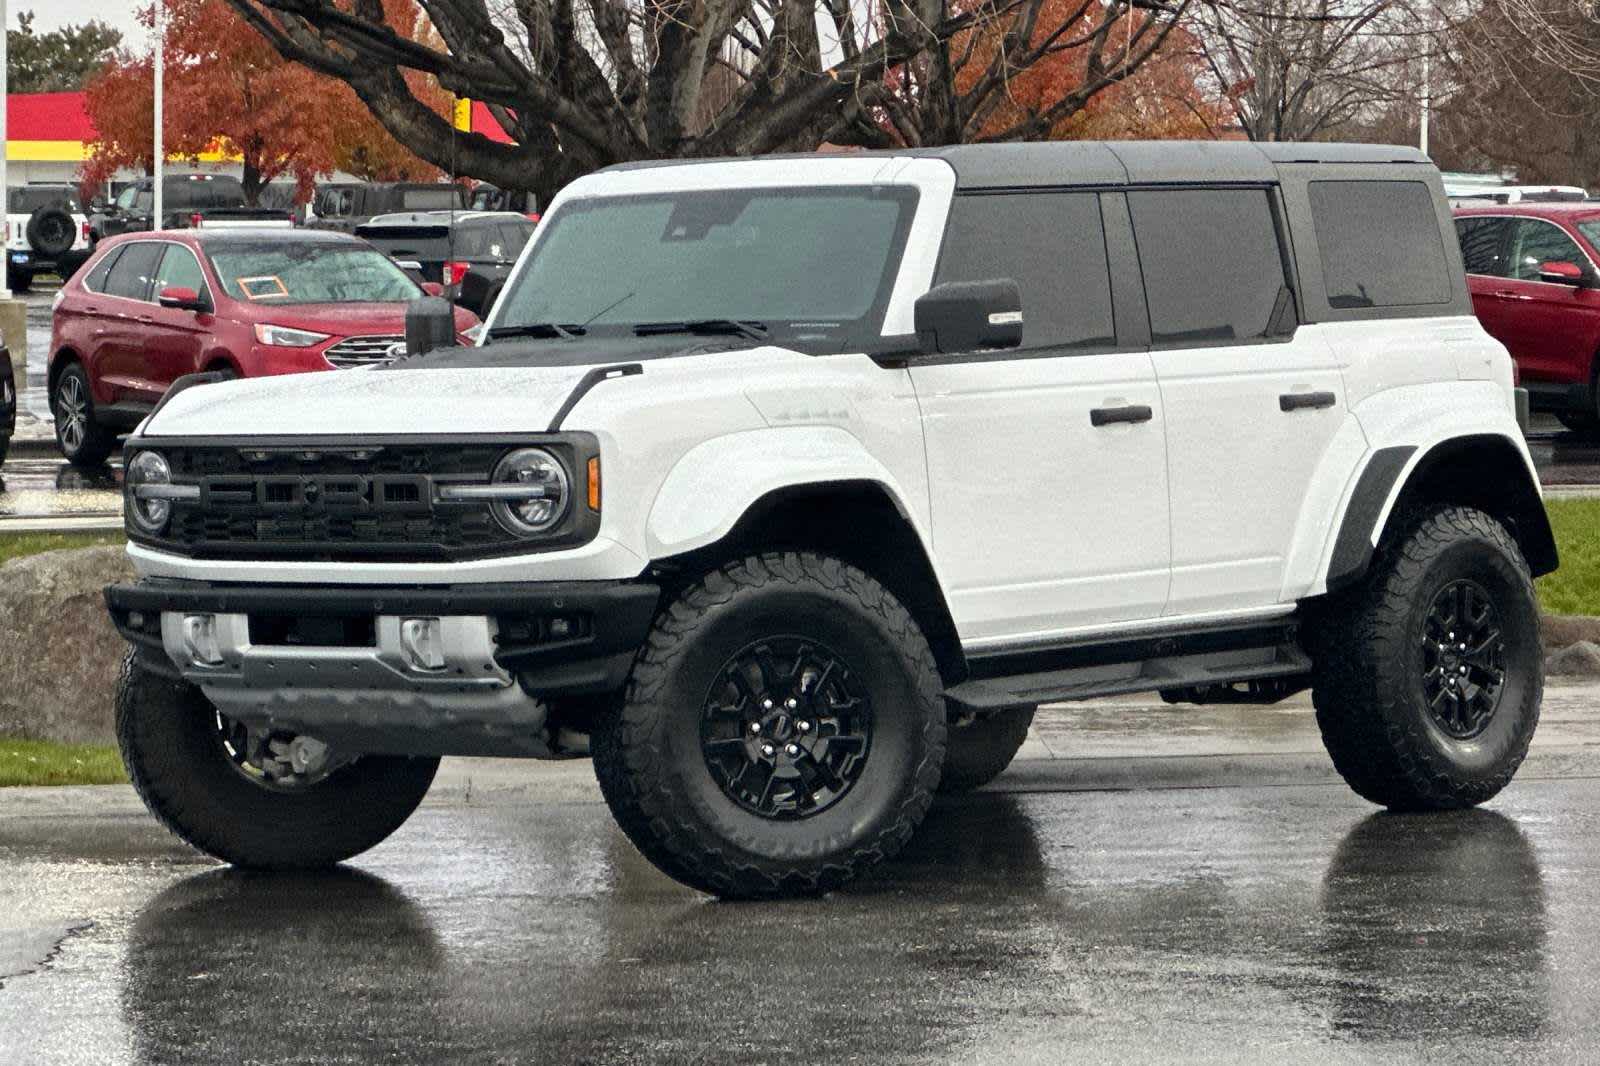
(82, 440)
(981, 747)
(1429, 676)
(782, 732)
(261, 801)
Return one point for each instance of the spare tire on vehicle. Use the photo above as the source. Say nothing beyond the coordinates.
(51, 231)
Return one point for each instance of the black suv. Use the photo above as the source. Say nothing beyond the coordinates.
(468, 253)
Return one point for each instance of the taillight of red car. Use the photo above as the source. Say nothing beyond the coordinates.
(454, 271)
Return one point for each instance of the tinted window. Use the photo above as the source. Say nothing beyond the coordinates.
(130, 275)
(179, 269)
(1212, 267)
(1053, 245)
(1380, 243)
(1483, 249)
(25, 200)
(442, 198)
(95, 281)
(1535, 241)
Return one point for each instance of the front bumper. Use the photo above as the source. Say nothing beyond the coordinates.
(342, 663)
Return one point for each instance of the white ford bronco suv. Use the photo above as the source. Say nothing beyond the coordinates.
(794, 485)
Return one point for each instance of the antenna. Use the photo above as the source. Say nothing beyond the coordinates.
(455, 188)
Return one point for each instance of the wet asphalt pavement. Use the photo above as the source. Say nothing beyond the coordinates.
(1262, 925)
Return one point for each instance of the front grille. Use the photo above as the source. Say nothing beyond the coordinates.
(363, 351)
(305, 499)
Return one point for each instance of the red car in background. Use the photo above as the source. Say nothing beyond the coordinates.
(1531, 271)
(148, 308)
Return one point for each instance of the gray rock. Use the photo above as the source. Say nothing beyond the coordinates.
(59, 654)
(1556, 631)
(1575, 660)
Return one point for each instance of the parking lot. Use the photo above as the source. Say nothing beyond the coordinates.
(1093, 904)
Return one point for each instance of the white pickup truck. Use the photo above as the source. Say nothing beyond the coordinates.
(794, 485)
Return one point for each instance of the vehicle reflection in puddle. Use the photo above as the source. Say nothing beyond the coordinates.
(49, 488)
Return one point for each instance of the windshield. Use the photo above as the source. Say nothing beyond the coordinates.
(26, 200)
(812, 268)
(1590, 228)
(310, 274)
(125, 197)
(439, 198)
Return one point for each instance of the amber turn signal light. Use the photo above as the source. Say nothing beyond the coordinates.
(594, 484)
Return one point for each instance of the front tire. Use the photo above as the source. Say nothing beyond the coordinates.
(1429, 676)
(177, 752)
(82, 440)
(979, 750)
(782, 732)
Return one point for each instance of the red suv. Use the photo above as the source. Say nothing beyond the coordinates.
(148, 308)
(1531, 271)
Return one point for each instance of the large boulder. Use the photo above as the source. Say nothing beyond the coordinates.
(59, 654)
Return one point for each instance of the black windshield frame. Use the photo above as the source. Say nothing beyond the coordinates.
(863, 333)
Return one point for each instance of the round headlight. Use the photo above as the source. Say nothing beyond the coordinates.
(148, 468)
(549, 493)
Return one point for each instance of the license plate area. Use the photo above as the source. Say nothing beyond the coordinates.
(313, 631)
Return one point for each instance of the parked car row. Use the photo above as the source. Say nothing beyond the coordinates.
(146, 309)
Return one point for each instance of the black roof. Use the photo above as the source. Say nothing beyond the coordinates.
(1035, 163)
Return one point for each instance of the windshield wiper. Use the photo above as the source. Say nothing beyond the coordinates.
(539, 329)
(705, 327)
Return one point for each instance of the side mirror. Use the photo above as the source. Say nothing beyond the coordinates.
(1562, 273)
(433, 288)
(430, 324)
(966, 316)
(181, 298)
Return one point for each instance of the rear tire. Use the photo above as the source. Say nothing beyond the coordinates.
(1429, 676)
(84, 442)
(19, 280)
(979, 751)
(173, 748)
(781, 734)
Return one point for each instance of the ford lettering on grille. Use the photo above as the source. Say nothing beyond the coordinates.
(320, 494)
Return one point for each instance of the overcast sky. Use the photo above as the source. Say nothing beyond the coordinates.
(55, 13)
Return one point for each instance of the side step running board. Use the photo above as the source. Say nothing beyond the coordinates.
(1179, 667)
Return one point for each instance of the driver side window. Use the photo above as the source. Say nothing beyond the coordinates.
(180, 269)
(1534, 242)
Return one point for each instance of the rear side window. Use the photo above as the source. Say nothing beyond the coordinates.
(130, 275)
(95, 280)
(1535, 242)
(1380, 243)
(1053, 245)
(1483, 245)
(1213, 271)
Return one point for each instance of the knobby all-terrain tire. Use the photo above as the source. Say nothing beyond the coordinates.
(171, 747)
(1368, 687)
(979, 750)
(654, 774)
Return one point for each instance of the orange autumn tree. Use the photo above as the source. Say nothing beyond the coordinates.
(1159, 99)
(228, 91)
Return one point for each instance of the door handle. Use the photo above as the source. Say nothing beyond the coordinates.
(1509, 294)
(1302, 401)
(1106, 416)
